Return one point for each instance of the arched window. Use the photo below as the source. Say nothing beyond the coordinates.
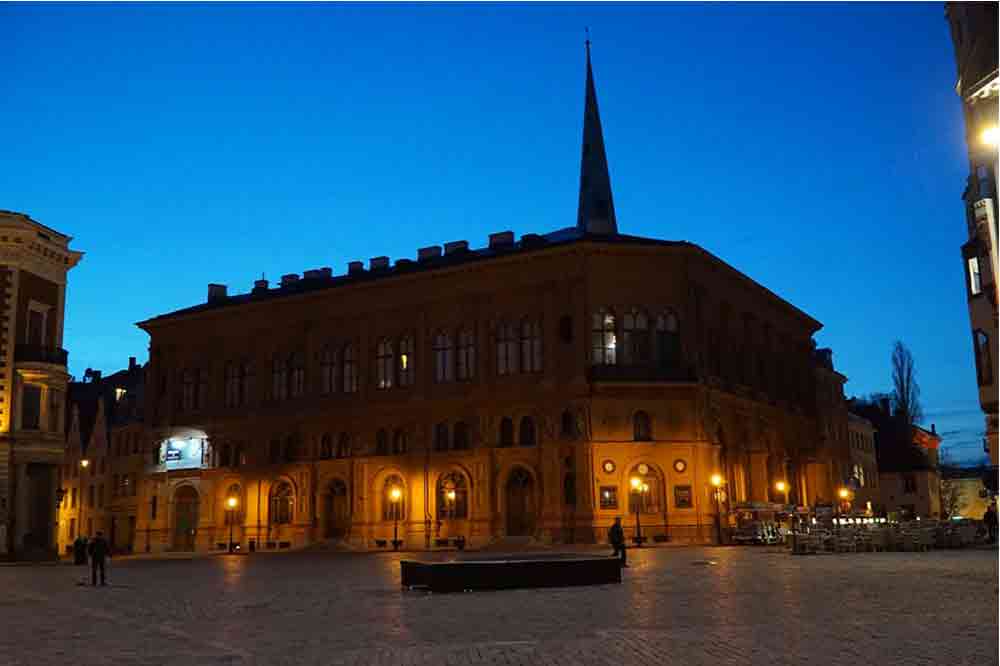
(466, 366)
(393, 499)
(298, 386)
(404, 363)
(234, 516)
(603, 342)
(859, 474)
(399, 442)
(642, 427)
(385, 363)
(279, 377)
(382, 443)
(328, 370)
(506, 432)
(350, 369)
(984, 362)
(635, 338)
(326, 447)
(282, 504)
(441, 437)
(460, 439)
(506, 349)
(232, 384)
(452, 497)
(344, 445)
(444, 358)
(526, 434)
(645, 490)
(567, 427)
(531, 346)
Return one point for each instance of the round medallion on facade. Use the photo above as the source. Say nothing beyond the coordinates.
(609, 466)
(680, 466)
(643, 468)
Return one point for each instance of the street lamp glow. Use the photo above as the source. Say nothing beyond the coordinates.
(451, 495)
(636, 483)
(232, 502)
(844, 493)
(716, 480)
(395, 494)
(781, 486)
(84, 463)
(990, 136)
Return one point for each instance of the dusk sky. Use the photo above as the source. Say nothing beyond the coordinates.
(817, 148)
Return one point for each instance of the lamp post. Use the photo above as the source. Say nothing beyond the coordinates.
(782, 487)
(231, 505)
(717, 482)
(395, 494)
(640, 488)
(84, 464)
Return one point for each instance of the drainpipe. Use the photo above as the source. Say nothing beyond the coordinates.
(427, 512)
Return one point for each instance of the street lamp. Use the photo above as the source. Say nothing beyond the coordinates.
(990, 136)
(845, 495)
(85, 463)
(395, 494)
(231, 505)
(640, 488)
(717, 482)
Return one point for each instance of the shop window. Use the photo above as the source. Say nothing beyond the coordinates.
(282, 504)
(452, 497)
(609, 497)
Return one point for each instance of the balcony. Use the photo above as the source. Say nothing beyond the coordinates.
(40, 354)
(641, 373)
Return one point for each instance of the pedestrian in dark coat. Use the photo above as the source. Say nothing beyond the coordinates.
(616, 537)
(990, 518)
(80, 550)
(99, 550)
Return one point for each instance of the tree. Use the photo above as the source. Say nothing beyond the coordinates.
(952, 501)
(906, 391)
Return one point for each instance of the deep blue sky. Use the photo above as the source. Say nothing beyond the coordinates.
(818, 148)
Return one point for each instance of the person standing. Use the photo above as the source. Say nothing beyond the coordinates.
(99, 550)
(616, 537)
(990, 518)
(80, 550)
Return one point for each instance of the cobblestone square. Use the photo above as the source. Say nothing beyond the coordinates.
(675, 606)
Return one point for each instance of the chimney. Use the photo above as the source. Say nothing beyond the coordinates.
(501, 239)
(312, 274)
(289, 279)
(933, 429)
(428, 253)
(454, 247)
(259, 286)
(355, 268)
(216, 293)
(131, 363)
(884, 402)
(378, 263)
(326, 272)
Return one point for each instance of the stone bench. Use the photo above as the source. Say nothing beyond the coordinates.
(509, 573)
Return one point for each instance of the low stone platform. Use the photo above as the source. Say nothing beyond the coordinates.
(491, 572)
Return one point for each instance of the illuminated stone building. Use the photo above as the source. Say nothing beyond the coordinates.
(534, 388)
(34, 261)
(864, 464)
(974, 35)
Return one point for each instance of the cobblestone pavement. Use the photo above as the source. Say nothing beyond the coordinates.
(676, 606)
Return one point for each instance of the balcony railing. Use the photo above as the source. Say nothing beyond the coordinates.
(641, 373)
(40, 354)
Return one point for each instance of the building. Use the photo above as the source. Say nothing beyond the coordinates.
(105, 462)
(974, 35)
(965, 492)
(864, 471)
(34, 261)
(534, 388)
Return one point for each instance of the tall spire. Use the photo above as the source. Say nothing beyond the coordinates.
(596, 211)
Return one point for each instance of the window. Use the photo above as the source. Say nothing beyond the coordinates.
(328, 371)
(984, 362)
(569, 489)
(444, 362)
(382, 443)
(404, 367)
(344, 445)
(466, 367)
(187, 390)
(526, 434)
(225, 456)
(909, 483)
(393, 499)
(642, 428)
(460, 440)
(506, 349)
(279, 378)
(441, 437)
(282, 504)
(602, 339)
(452, 497)
(152, 508)
(567, 428)
(399, 442)
(232, 379)
(506, 432)
(531, 346)
(859, 474)
(975, 280)
(635, 338)
(349, 373)
(36, 327)
(31, 407)
(298, 387)
(668, 340)
(385, 364)
(245, 376)
(326, 447)
(609, 497)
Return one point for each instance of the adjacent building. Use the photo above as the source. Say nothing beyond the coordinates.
(974, 35)
(34, 261)
(864, 472)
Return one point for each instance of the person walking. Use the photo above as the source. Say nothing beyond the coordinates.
(80, 550)
(99, 550)
(990, 518)
(616, 537)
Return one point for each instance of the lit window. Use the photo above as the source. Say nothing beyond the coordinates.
(635, 338)
(975, 281)
(405, 363)
(384, 365)
(603, 342)
(119, 393)
(609, 497)
(452, 497)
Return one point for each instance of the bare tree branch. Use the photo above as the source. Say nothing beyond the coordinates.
(906, 391)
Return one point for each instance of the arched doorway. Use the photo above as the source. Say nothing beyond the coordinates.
(520, 493)
(336, 510)
(185, 518)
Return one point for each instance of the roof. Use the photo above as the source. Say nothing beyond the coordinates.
(90, 397)
(528, 243)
